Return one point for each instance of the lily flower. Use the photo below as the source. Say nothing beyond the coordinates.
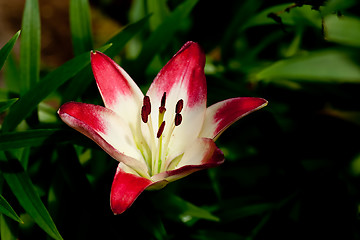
(163, 136)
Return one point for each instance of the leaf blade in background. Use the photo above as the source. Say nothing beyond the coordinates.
(30, 138)
(80, 26)
(22, 108)
(299, 15)
(119, 40)
(6, 104)
(6, 49)
(30, 46)
(322, 66)
(80, 82)
(331, 6)
(183, 210)
(159, 11)
(24, 191)
(344, 30)
(8, 228)
(162, 36)
(6, 209)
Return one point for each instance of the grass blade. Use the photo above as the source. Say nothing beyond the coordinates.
(22, 187)
(6, 49)
(79, 84)
(22, 108)
(162, 36)
(80, 25)
(183, 210)
(6, 104)
(159, 10)
(119, 40)
(30, 46)
(31, 138)
(8, 228)
(6, 209)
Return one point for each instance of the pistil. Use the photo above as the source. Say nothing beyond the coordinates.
(161, 126)
(146, 118)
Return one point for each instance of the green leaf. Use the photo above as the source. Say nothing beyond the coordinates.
(232, 212)
(119, 40)
(247, 9)
(298, 15)
(6, 49)
(80, 82)
(80, 25)
(344, 30)
(24, 191)
(26, 104)
(332, 6)
(322, 66)
(159, 11)
(31, 138)
(30, 46)
(6, 209)
(163, 35)
(12, 75)
(182, 209)
(6, 104)
(8, 228)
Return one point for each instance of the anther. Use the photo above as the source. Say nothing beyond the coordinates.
(162, 108)
(178, 119)
(146, 109)
(147, 104)
(161, 129)
(144, 114)
(179, 106)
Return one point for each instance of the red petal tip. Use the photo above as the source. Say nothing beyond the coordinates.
(125, 189)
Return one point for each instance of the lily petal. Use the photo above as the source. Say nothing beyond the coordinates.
(118, 91)
(202, 154)
(126, 188)
(222, 114)
(107, 129)
(181, 78)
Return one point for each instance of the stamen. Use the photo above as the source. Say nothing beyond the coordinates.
(161, 129)
(162, 108)
(147, 104)
(179, 106)
(178, 119)
(146, 109)
(144, 114)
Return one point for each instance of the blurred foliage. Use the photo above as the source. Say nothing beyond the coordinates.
(292, 169)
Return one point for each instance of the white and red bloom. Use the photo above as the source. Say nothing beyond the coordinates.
(162, 136)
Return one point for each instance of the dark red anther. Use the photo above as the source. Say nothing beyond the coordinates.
(147, 105)
(146, 109)
(178, 119)
(162, 108)
(163, 100)
(161, 129)
(179, 106)
(144, 114)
